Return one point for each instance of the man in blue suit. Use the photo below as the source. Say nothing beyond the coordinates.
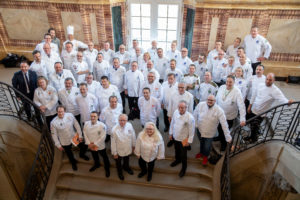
(25, 81)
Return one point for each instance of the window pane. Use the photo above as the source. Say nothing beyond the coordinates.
(162, 10)
(146, 44)
(135, 10)
(171, 35)
(161, 35)
(162, 23)
(168, 46)
(136, 34)
(146, 22)
(173, 11)
(145, 10)
(162, 45)
(146, 34)
(135, 22)
(172, 24)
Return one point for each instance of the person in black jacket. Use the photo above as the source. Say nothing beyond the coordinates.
(25, 81)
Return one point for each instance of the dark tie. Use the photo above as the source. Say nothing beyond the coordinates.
(26, 82)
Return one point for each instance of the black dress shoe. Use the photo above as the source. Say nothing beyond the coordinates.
(129, 171)
(121, 177)
(181, 173)
(84, 157)
(166, 130)
(173, 164)
(188, 148)
(149, 178)
(94, 168)
(142, 174)
(107, 173)
(74, 166)
(170, 143)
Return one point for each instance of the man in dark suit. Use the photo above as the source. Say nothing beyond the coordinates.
(25, 81)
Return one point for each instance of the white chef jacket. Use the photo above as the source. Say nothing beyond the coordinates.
(155, 89)
(132, 51)
(93, 87)
(148, 148)
(153, 53)
(254, 47)
(90, 57)
(78, 67)
(231, 51)
(207, 89)
(146, 72)
(68, 58)
(133, 82)
(76, 44)
(104, 94)
(123, 57)
(86, 105)
(232, 104)
(68, 99)
(194, 79)
(178, 74)
(149, 109)
(176, 98)
(63, 130)
(53, 46)
(108, 55)
(210, 57)
(122, 140)
(218, 70)
(242, 84)
(58, 82)
(167, 91)
(39, 68)
(161, 65)
(95, 133)
(139, 59)
(173, 55)
(207, 120)
(100, 69)
(201, 68)
(247, 70)
(183, 64)
(117, 77)
(50, 60)
(46, 98)
(110, 116)
(263, 98)
(182, 127)
(253, 82)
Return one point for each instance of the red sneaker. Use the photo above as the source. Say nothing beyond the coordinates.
(205, 160)
(198, 155)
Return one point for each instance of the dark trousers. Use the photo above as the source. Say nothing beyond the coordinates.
(133, 107)
(255, 125)
(254, 65)
(122, 94)
(166, 119)
(205, 146)
(145, 168)
(77, 117)
(221, 134)
(102, 152)
(180, 154)
(49, 119)
(125, 163)
(68, 150)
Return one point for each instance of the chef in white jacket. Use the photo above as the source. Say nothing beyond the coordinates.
(207, 116)
(57, 78)
(90, 55)
(76, 43)
(49, 58)
(68, 55)
(153, 84)
(161, 63)
(79, 68)
(86, 102)
(45, 97)
(149, 148)
(63, 128)
(67, 97)
(38, 65)
(206, 88)
(182, 130)
(122, 144)
(100, 67)
(230, 99)
(94, 133)
(134, 80)
(149, 107)
(93, 86)
(109, 115)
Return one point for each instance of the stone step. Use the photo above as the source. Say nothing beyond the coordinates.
(163, 180)
(194, 168)
(79, 195)
(113, 187)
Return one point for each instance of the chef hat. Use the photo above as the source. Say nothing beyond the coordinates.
(70, 30)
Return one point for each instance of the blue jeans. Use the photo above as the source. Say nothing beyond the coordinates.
(205, 146)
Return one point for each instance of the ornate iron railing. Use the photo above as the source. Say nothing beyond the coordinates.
(15, 104)
(278, 123)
